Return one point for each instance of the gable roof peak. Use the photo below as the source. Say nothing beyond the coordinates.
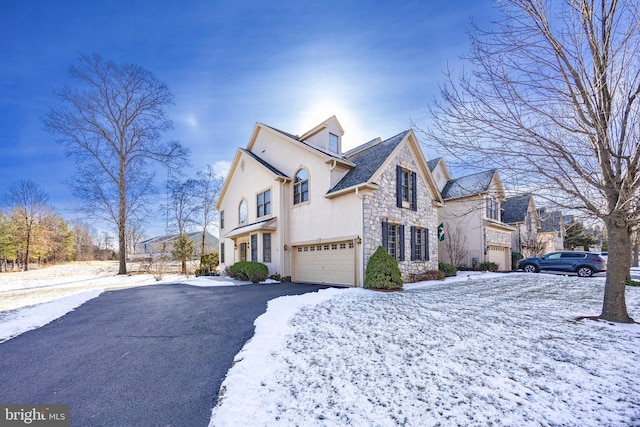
(476, 183)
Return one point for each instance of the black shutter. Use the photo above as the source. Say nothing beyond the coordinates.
(385, 235)
(426, 244)
(401, 241)
(399, 186)
(413, 243)
(414, 192)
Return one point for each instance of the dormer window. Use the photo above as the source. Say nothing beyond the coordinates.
(333, 143)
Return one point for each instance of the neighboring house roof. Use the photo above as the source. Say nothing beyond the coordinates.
(433, 163)
(550, 222)
(265, 164)
(469, 185)
(172, 237)
(368, 161)
(514, 209)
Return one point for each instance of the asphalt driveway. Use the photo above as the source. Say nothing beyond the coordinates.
(148, 356)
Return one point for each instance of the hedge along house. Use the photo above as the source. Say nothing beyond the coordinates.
(307, 210)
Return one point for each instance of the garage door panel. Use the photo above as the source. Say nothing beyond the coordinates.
(325, 263)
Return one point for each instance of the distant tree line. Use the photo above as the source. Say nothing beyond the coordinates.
(32, 232)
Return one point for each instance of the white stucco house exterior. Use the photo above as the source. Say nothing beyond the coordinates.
(307, 210)
(473, 229)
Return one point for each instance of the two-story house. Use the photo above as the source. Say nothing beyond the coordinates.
(520, 213)
(552, 230)
(307, 210)
(473, 230)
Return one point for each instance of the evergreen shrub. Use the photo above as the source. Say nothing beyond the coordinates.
(255, 272)
(382, 271)
(448, 269)
(488, 266)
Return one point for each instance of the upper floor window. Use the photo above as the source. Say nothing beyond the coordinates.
(242, 212)
(221, 219)
(493, 209)
(333, 143)
(301, 187)
(406, 188)
(264, 203)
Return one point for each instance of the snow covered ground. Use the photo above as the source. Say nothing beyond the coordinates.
(496, 349)
(490, 349)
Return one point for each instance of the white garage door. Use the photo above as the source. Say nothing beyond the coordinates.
(501, 256)
(325, 263)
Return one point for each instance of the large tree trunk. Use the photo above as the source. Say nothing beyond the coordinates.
(122, 221)
(614, 307)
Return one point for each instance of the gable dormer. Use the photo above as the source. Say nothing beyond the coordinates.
(327, 136)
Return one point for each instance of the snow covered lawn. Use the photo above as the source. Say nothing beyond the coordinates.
(496, 350)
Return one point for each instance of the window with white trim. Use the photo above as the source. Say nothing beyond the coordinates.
(263, 201)
(301, 187)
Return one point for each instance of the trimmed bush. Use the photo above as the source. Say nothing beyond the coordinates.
(382, 271)
(448, 269)
(427, 275)
(515, 257)
(630, 282)
(253, 271)
(488, 266)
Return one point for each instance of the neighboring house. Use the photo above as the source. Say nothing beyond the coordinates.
(520, 213)
(552, 230)
(473, 230)
(307, 210)
(164, 245)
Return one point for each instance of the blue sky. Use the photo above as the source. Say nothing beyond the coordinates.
(374, 64)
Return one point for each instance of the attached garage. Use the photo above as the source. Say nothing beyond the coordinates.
(501, 255)
(333, 262)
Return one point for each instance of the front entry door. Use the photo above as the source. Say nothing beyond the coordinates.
(243, 251)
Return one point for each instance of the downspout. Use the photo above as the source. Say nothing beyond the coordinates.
(360, 251)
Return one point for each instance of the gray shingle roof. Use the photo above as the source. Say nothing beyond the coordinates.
(549, 221)
(433, 163)
(367, 161)
(514, 209)
(468, 185)
(264, 163)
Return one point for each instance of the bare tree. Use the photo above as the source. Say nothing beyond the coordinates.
(85, 241)
(552, 98)
(210, 186)
(455, 243)
(183, 208)
(29, 203)
(112, 124)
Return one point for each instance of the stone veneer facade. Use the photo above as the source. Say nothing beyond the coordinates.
(381, 206)
(496, 237)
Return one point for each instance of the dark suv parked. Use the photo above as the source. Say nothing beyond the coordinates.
(585, 264)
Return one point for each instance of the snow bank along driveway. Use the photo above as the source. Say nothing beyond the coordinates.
(506, 350)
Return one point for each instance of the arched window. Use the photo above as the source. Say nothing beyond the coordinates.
(301, 187)
(242, 212)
